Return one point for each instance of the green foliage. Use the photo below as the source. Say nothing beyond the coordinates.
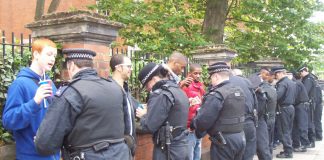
(9, 67)
(254, 28)
(275, 29)
(157, 27)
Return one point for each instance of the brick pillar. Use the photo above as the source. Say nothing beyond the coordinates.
(79, 29)
(210, 54)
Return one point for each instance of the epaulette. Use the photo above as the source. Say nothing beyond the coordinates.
(168, 93)
(106, 79)
(157, 91)
(60, 91)
(63, 88)
(216, 94)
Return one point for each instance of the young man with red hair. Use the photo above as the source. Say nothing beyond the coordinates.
(27, 101)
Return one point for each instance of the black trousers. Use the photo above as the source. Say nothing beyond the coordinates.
(318, 121)
(311, 124)
(250, 136)
(232, 150)
(263, 150)
(300, 127)
(178, 149)
(271, 128)
(286, 118)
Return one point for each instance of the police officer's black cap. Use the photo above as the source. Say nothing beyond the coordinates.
(277, 69)
(217, 67)
(148, 72)
(79, 53)
(301, 68)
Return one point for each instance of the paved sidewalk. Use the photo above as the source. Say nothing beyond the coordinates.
(316, 153)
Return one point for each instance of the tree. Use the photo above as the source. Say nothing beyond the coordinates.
(275, 29)
(254, 28)
(39, 11)
(214, 20)
(157, 27)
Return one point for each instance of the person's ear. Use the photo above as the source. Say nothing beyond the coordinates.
(118, 68)
(36, 55)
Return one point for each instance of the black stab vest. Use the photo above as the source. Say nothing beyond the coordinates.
(178, 113)
(231, 117)
(101, 116)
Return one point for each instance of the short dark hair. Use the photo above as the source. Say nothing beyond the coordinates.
(224, 73)
(116, 60)
(194, 66)
(178, 57)
(82, 62)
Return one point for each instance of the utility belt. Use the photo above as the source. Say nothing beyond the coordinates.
(218, 139)
(77, 153)
(306, 104)
(167, 134)
(252, 116)
(270, 116)
(283, 106)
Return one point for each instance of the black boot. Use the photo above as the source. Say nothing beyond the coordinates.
(284, 155)
(300, 149)
(311, 145)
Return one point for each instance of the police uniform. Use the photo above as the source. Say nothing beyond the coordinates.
(86, 117)
(286, 97)
(250, 116)
(300, 128)
(263, 150)
(222, 117)
(310, 85)
(167, 116)
(270, 110)
(318, 113)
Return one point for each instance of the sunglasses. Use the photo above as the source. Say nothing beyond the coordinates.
(196, 73)
(126, 65)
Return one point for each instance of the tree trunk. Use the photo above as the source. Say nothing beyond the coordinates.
(53, 6)
(39, 9)
(214, 20)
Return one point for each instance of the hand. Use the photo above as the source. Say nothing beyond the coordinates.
(42, 92)
(186, 81)
(192, 126)
(194, 101)
(141, 112)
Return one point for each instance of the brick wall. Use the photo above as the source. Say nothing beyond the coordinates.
(15, 14)
(145, 147)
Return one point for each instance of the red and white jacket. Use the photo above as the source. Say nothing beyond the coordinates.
(195, 89)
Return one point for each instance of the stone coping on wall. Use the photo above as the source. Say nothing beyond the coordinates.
(76, 27)
(73, 16)
(214, 48)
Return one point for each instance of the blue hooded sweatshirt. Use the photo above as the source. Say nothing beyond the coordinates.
(22, 115)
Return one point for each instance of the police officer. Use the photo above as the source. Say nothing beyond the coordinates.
(310, 85)
(250, 122)
(222, 115)
(167, 113)
(300, 127)
(263, 150)
(86, 116)
(271, 103)
(318, 113)
(286, 98)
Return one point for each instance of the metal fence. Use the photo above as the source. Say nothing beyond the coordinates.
(138, 62)
(16, 45)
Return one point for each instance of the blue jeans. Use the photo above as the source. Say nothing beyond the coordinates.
(194, 146)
